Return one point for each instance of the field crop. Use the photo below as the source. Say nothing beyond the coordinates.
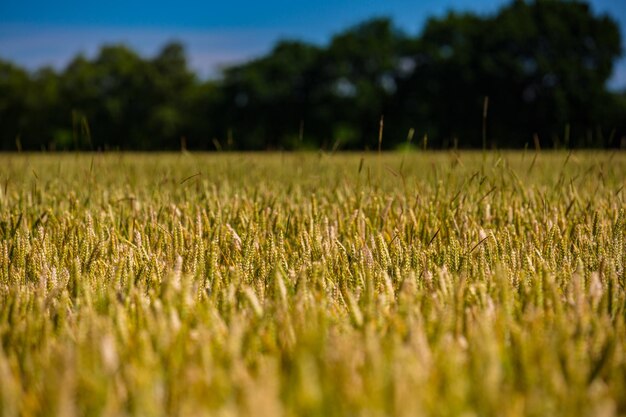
(435, 284)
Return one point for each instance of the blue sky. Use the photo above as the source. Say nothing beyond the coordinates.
(216, 33)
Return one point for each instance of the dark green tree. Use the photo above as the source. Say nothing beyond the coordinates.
(543, 64)
(120, 100)
(170, 92)
(555, 58)
(266, 103)
(360, 71)
(105, 99)
(14, 83)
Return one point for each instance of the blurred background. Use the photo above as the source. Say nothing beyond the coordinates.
(150, 75)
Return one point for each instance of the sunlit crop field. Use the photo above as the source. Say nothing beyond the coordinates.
(434, 284)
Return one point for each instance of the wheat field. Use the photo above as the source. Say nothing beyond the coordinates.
(314, 284)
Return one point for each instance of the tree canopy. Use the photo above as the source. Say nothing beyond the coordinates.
(537, 70)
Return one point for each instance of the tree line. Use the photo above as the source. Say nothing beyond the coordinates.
(533, 74)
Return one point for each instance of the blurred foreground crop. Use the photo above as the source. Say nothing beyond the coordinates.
(313, 284)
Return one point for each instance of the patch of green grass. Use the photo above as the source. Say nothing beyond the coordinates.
(439, 284)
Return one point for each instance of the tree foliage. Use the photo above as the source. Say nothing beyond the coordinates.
(534, 69)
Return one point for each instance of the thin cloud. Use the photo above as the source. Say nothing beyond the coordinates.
(208, 50)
